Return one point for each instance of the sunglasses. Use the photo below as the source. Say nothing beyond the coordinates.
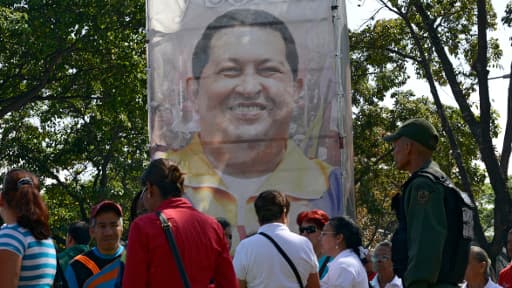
(382, 258)
(307, 229)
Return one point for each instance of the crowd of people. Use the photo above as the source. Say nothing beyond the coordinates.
(171, 243)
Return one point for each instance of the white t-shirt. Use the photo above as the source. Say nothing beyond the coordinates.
(258, 262)
(345, 271)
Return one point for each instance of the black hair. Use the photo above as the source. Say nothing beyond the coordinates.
(133, 206)
(223, 222)
(351, 234)
(240, 18)
(270, 206)
(166, 176)
(79, 231)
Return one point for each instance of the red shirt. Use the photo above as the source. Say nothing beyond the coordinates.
(200, 240)
(505, 278)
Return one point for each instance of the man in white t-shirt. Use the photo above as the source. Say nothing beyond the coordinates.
(258, 263)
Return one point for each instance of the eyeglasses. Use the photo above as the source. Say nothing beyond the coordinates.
(307, 229)
(382, 258)
(323, 233)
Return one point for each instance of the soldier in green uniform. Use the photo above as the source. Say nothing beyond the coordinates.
(419, 242)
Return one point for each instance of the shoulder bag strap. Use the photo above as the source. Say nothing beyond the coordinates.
(172, 244)
(285, 256)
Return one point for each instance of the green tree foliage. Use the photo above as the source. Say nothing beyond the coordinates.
(446, 42)
(72, 100)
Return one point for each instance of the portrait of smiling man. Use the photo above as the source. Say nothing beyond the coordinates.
(245, 86)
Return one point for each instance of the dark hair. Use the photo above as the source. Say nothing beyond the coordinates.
(133, 206)
(21, 194)
(166, 176)
(318, 217)
(270, 205)
(223, 222)
(479, 255)
(351, 233)
(240, 18)
(384, 243)
(79, 231)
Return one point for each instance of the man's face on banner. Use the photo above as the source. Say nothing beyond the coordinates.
(247, 90)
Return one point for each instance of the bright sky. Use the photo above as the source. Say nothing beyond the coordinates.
(498, 88)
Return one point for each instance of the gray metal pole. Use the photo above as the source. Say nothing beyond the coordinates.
(344, 97)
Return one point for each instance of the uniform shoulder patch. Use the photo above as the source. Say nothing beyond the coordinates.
(423, 196)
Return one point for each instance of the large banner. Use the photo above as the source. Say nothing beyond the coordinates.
(243, 97)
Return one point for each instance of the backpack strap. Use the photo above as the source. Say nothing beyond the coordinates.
(285, 256)
(437, 177)
(106, 277)
(88, 263)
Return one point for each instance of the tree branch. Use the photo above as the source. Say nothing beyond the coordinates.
(507, 139)
(403, 55)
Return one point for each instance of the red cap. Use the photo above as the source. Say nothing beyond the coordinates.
(104, 205)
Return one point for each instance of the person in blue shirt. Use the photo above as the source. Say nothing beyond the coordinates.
(101, 264)
(27, 253)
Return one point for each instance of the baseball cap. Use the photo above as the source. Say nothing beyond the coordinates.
(106, 205)
(418, 130)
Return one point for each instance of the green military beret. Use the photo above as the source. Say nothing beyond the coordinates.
(418, 130)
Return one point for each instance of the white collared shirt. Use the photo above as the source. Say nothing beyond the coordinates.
(395, 283)
(345, 271)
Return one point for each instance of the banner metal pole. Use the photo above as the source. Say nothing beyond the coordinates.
(344, 98)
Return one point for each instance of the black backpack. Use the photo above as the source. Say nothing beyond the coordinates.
(460, 211)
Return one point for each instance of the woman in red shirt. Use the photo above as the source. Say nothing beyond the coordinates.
(199, 238)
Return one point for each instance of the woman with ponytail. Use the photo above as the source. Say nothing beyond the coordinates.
(341, 239)
(27, 253)
(200, 240)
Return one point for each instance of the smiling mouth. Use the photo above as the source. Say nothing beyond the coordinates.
(247, 108)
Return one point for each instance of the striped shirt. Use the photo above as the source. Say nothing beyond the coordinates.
(38, 258)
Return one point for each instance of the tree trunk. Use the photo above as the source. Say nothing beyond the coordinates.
(426, 65)
(507, 139)
(502, 215)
